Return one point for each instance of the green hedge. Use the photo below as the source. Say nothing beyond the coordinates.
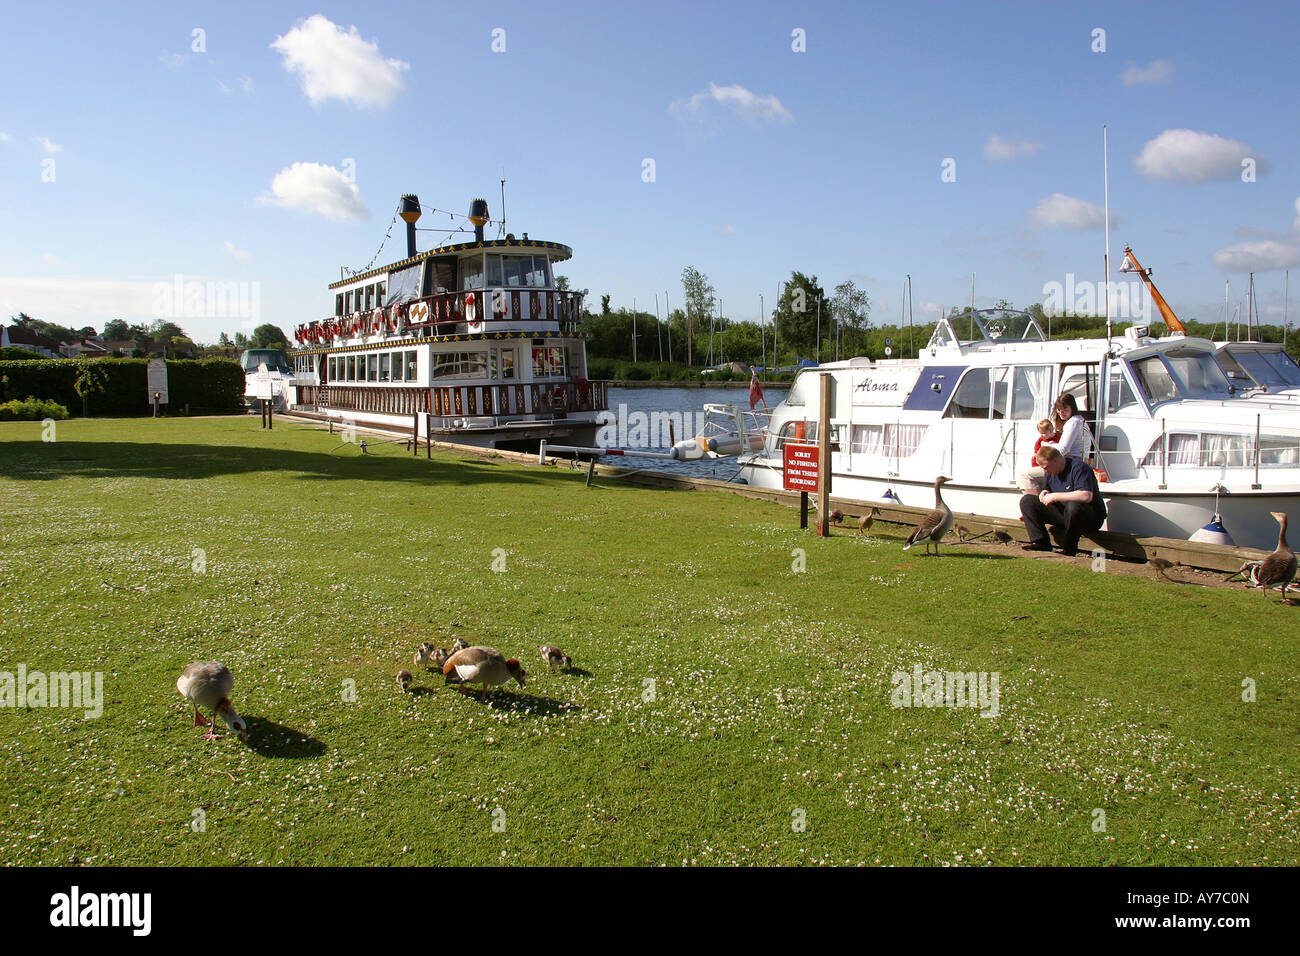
(32, 410)
(204, 385)
(15, 354)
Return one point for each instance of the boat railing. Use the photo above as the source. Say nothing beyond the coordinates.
(452, 313)
(548, 400)
(1214, 445)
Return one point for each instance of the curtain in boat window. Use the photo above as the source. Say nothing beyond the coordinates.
(887, 441)
(1032, 393)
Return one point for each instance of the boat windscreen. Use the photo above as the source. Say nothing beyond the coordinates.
(1198, 373)
(274, 359)
(1273, 369)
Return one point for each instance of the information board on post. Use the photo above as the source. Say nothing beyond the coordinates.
(156, 376)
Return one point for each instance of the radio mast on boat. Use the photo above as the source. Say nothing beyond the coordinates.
(1105, 162)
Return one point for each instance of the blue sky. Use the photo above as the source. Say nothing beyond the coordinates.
(765, 159)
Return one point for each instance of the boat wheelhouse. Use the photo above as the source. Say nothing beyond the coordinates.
(1170, 428)
(1262, 366)
(470, 342)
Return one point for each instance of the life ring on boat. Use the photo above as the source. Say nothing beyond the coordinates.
(471, 307)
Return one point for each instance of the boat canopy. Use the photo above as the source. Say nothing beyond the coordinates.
(987, 326)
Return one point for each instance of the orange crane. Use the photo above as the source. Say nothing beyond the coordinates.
(1132, 265)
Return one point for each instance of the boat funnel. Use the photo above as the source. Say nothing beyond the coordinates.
(409, 210)
(478, 215)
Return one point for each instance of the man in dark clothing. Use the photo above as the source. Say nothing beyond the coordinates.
(1070, 500)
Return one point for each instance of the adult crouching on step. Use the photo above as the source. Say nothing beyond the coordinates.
(1070, 502)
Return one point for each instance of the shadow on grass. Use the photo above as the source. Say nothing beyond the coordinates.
(518, 703)
(577, 672)
(275, 740)
(42, 461)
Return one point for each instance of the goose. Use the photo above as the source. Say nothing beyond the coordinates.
(864, 523)
(404, 679)
(208, 685)
(459, 645)
(1162, 565)
(963, 532)
(424, 655)
(556, 657)
(485, 666)
(1002, 537)
(1249, 572)
(934, 525)
(1278, 568)
(440, 656)
(836, 516)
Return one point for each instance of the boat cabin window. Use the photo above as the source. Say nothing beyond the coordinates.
(460, 365)
(1197, 372)
(796, 431)
(384, 367)
(887, 441)
(971, 400)
(412, 366)
(1031, 397)
(1121, 394)
(351, 374)
(1154, 379)
(529, 272)
(548, 361)
(471, 272)
(338, 304)
(403, 286)
(1270, 369)
(347, 303)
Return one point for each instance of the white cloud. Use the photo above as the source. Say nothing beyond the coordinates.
(1263, 256)
(171, 60)
(1157, 71)
(726, 229)
(4, 137)
(335, 64)
(74, 300)
(1188, 156)
(751, 106)
(1059, 211)
(235, 251)
(46, 145)
(315, 187)
(1295, 226)
(998, 149)
(246, 84)
(50, 259)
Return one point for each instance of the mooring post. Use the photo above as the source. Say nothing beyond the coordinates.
(803, 511)
(541, 453)
(591, 469)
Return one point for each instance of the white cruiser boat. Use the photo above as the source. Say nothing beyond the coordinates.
(469, 342)
(278, 371)
(1170, 427)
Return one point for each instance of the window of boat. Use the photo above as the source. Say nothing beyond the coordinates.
(887, 440)
(411, 366)
(971, 400)
(379, 293)
(372, 367)
(1001, 391)
(403, 286)
(338, 304)
(531, 272)
(351, 374)
(1273, 369)
(796, 431)
(1204, 450)
(1197, 372)
(460, 365)
(385, 366)
(1121, 393)
(347, 302)
(548, 361)
(1154, 379)
(1081, 382)
(370, 297)
(471, 272)
(1031, 393)
(507, 363)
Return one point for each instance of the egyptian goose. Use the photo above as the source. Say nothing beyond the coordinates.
(1163, 566)
(836, 516)
(864, 523)
(404, 679)
(424, 655)
(934, 525)
(556, 657)
(208, 685)
(1278, 569)
(485, 666)
(1002, 537)
(459, 645)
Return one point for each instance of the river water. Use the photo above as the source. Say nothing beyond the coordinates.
(636, 409)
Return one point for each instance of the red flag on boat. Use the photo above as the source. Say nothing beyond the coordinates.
(755, 390)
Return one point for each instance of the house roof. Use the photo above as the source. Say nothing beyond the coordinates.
(18, 335)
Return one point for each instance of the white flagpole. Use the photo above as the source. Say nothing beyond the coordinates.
(1105, 157)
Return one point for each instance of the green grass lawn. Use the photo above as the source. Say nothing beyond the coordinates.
(322, 570)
